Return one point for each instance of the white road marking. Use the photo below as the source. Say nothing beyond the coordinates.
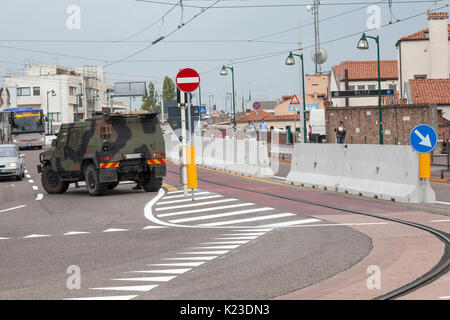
(72, 233)
(196, 204)
(182, 195)
(339, 224)
(445, 297)
(281, 178)
(226, 242)
(181, 264)
(272, 216)
(115, 230)
(193, 258)
(205, 209)
(156, 279)
(189, 199)
(28, 176)
(221, 215)
(129, 288)
(105, 298)
(442, 202)
(35, 187)
(26, 171)
(172, 192)
(14, 208)
(219, 252)
(244, 234)
(253, 230)
(153, 227)
(292, 223)
(237, 238)
(39, 196)
(31, 181)
(36, 236)
(446, 220)
(4, 238)
(164, 271)
(215, 247)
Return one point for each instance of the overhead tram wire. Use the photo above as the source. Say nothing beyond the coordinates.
(163, 37)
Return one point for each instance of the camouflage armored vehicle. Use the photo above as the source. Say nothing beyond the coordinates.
(103, 151)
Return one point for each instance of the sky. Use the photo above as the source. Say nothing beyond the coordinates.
(110, 32)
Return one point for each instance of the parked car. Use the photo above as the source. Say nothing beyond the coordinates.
(317, 132)
(11, 161)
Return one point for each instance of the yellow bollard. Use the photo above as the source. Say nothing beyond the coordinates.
(424, 166)
(191, 167)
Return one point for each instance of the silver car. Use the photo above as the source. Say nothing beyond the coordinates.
(11, 162)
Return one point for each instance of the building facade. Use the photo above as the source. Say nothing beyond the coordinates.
(63, 93)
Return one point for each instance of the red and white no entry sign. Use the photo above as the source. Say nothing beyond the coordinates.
(188, 80)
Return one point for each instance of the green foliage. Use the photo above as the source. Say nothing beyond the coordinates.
(151, 100)
(169, 90)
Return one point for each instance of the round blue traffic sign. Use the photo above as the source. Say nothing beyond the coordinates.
(423, 138)
(256, 105)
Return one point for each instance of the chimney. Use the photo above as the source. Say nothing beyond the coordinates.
(438, 45)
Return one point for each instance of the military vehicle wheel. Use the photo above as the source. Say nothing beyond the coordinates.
(152, 185)
(92, 179)
(112, 185)
(52, 182)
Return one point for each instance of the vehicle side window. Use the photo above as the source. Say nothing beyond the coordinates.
(62, 137)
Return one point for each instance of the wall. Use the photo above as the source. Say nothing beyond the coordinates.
(363, 127)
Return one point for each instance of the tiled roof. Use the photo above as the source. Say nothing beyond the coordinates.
(430, 91)
(437, 15)
(420, 35)
(367, 70)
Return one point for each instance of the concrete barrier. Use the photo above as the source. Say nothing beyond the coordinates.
(173, 147)
(386, 172)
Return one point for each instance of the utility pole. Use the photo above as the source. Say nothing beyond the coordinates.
(5, 95)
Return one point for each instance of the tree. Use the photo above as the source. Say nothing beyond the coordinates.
(169, 90)
(151, 99)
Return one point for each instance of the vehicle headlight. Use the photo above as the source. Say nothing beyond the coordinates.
(15, 141)
(12, 165)
(42, 139)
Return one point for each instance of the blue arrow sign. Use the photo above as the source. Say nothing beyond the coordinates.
(423, 138)
(202, 109)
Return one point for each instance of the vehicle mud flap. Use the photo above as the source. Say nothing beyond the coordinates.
(108, 175)
(159, 171)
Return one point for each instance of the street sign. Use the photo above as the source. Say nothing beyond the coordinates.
(256, 105)
(295, 100)
(360, 93)
(423, 138)
(308, 107)
(202, 109)
(188, 80)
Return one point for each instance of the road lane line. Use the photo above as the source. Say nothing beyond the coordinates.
(128, 288)
(35, 187)
(226, 242)
(237, 238)
(180, 264)
(253, 230)
(164, 271)
(291, 223)
(153, 227)
(215, 247)
(72, 233)
(36, 236)
(272, 216)
(442, 202)
(4, 238)
(445, 297)
(182, 195)
(28, 176)
(115, 230)
(446, 220)
(26, 171)
(39, 196)
(193, 258)
(189, 199)
(172, 192)
(104, 298)
(155, 279)
(219, 252)
(14, 208)
(31, 181)
(245, 204)
(196, 204)
(221, 215)
(244, 234)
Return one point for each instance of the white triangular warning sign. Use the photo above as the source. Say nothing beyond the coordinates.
(295, 100)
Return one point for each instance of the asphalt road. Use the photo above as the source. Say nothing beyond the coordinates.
(121, 254)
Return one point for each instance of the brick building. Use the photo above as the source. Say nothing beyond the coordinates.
(363, 127)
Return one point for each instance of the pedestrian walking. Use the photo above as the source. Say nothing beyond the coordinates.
(340, 133)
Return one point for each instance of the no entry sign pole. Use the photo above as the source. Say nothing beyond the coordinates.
(188, 80)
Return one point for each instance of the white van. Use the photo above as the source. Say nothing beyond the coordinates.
(317, 123)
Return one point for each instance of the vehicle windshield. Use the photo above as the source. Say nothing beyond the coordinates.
(27, 122)
(7, 152)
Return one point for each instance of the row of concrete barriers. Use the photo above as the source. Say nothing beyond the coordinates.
(388, 172)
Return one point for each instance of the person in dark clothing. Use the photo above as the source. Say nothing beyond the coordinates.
(340, 133)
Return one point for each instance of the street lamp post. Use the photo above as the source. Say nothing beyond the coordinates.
(290, 61)
(363, 44)
(48, 115)
(224, 72)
